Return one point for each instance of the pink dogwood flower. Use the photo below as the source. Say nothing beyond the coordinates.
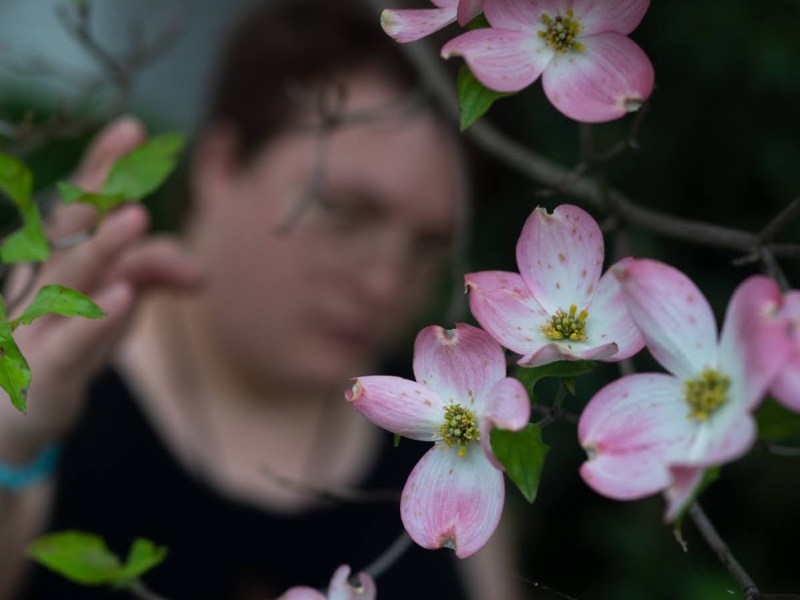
(454, 495)
(591, 70)
(650, 432)
(340, 589)
(410, 25)
(786, 388)
(558, 307)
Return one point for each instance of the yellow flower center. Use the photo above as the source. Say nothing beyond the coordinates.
(706, 394)
(561, 32)
(566, 326)
(460, 428)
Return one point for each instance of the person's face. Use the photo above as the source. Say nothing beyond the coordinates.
(320, 303)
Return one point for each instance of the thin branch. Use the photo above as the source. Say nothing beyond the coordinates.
(778, 450)
(723, 552)
(390, 556)
(530, 164)
(781, 220)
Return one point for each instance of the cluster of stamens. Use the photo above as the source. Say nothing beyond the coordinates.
(706, 394)
(570, 326)
(561, 32)
(460, 428)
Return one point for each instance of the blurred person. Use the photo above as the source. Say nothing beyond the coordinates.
(227, 382)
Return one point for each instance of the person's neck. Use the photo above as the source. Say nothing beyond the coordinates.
(233, 429)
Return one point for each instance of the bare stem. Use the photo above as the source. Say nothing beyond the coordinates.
(390, 556)
(723, 552)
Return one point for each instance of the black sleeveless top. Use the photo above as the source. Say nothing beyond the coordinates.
(117, 479)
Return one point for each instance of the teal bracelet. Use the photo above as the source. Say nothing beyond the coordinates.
(15, 478)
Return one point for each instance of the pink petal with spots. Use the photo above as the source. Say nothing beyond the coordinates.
(599, 16)
(672, 315)
(522, 15)
(501, 59)
(507, 407)
(340, 588)
(680, 492)
(632, 430)
(468, 10)
(454, 502)
(501, 303)
(560, 257)
(786, 387)
(460, 365)
(404, 407)
(609, 78)
(609, 320)
(567, 350)
(411, 25)
(754, 345)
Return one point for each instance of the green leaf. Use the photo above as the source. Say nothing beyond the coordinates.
(479, 22)
(29, 243)
(70, 193)
(80, 557)
(16, 180)
(397, 438)
(58, 300)
(776, 423)
(15, 375)
(142, 557)
(140, 172)
(474, 98)
(522, 454)
(103, 202)
(132, 177)
(566, 370)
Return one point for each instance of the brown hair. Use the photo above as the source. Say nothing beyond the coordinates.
(283, 43)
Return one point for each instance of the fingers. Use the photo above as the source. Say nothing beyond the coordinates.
(80, 346)
(114, 141)
(157, 262)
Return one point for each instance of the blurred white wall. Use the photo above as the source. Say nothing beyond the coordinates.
(171, 90)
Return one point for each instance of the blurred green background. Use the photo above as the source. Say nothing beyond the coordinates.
(720, 142)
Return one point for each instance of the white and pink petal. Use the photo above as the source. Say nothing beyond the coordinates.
(560, 257)
(521, 15)
(549, 352)
(410, 25)
(672, 315)
(754, 344)
(459, 365)
(599, 16)
(302, 593)
(340, 588)
(633, 429)
(468, 10)
(679, 494)
(609, 320)
(786, 387)
(501, 302)
(501, 59)
(401, 406)
(508, 407)
(453, 501)
(610, 77)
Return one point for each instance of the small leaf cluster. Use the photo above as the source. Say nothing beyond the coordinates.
(84, 558)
